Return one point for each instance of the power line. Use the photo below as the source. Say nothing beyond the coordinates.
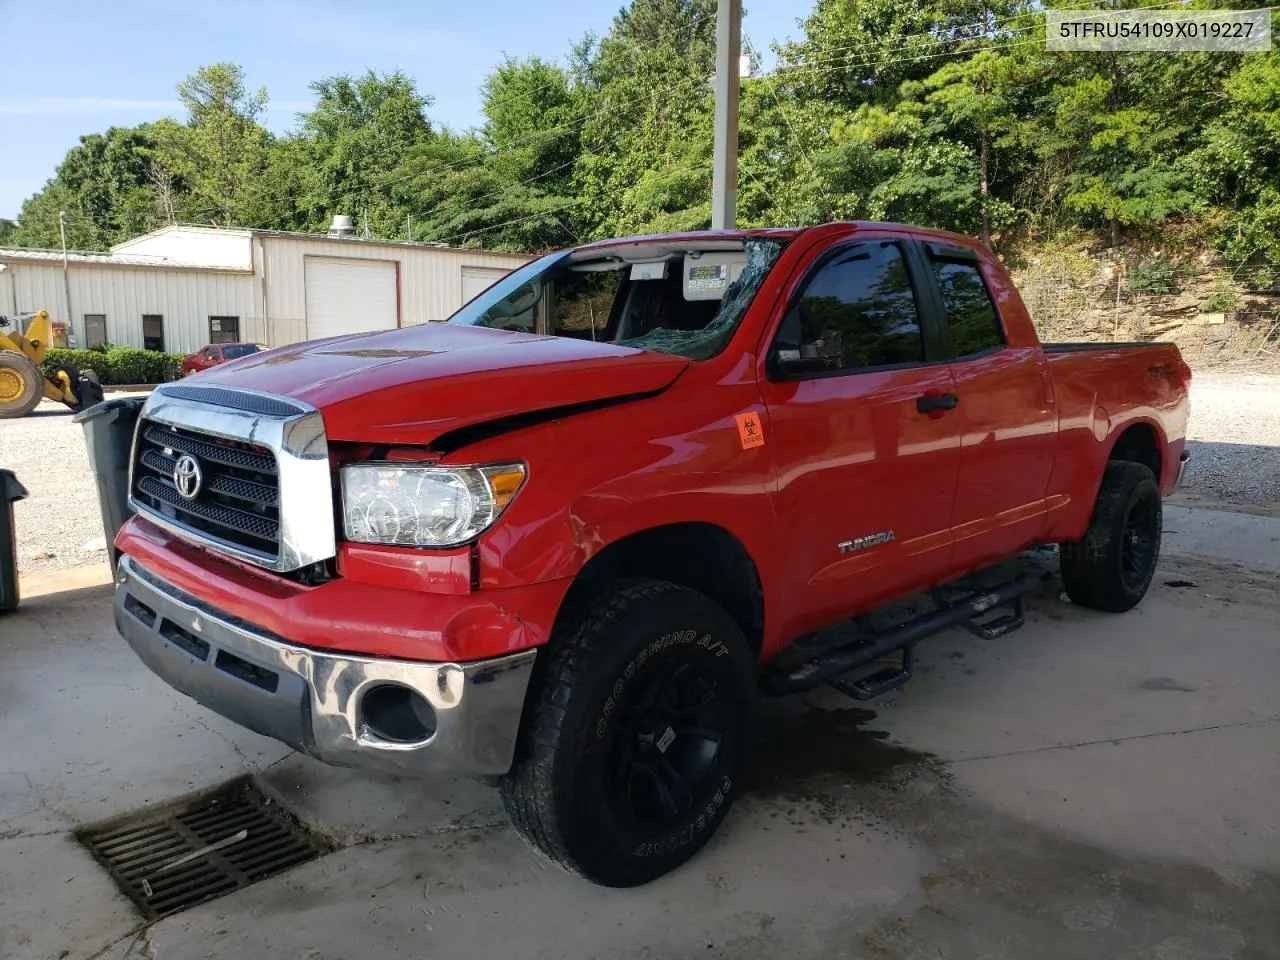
(843, 63)
(786, 116)
(934, 33)
(653, 97)
(485, 155)
(565, 206)
(809, 69)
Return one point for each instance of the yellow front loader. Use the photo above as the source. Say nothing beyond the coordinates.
(22, 385)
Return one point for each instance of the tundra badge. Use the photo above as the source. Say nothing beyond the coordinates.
(861, 543)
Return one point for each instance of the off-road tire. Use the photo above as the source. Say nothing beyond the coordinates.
(1111, 566)
(562, 792)
(13, 363)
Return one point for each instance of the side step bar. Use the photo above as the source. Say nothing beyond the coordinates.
(828, 666)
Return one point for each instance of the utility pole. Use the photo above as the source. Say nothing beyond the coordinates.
(66, 276)
(408, 228)
(724, 182)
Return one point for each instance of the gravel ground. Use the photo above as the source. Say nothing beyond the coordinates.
(59, 524)
(1234, 440)
(1235, 447)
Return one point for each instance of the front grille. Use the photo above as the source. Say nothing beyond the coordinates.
(238, 500)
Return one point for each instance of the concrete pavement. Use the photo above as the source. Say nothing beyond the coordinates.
(1250, 541)
(1091, 786)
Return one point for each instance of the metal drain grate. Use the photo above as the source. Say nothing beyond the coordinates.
(170, 859)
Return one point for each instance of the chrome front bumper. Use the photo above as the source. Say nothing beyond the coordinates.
(313, 700)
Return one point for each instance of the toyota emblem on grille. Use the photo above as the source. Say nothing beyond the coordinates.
(187, 476)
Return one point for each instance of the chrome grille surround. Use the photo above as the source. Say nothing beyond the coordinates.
(293, 433)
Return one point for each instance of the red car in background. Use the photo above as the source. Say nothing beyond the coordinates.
(216, 353)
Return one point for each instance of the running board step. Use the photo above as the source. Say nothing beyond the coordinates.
(835, 663)
(882, 681)
(999, 626)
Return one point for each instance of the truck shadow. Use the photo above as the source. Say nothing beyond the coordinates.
(799, 745)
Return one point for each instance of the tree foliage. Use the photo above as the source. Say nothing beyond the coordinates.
(943, 112)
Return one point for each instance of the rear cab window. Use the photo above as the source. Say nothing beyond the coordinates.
(970, 312)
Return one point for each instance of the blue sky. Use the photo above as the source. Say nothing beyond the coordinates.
(78, 67)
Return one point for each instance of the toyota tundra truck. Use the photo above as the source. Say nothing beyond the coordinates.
(558, 542)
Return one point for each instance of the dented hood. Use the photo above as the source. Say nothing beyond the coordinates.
(411, 385)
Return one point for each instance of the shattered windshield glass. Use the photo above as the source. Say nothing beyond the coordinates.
(708, 341)
(684, 298)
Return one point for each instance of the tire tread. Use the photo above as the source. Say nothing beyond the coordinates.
(560, 678)
(1088, 565)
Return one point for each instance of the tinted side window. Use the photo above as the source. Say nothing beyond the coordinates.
(857, 312)
(971, 314)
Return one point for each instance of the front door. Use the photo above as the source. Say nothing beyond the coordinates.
(866, 444)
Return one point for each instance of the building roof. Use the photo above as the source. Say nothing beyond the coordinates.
(298, 235)
(22, 254)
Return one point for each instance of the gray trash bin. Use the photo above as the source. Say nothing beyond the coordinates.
(108, 433)
(10, 490)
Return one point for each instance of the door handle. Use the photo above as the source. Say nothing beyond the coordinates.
(932, 402)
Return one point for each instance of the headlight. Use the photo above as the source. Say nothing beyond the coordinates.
(421, 506)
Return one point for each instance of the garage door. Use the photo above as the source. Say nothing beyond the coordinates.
(475, 280)
(349, 296)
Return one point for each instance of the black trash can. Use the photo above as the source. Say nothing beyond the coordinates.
(108, 433)
(10, 491)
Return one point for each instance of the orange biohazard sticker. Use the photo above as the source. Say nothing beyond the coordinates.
(750, 430)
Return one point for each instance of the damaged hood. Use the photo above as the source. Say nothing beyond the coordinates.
(411, 385)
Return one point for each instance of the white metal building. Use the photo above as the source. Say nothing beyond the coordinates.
(182, 287)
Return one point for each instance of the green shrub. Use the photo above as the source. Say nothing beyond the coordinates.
(1158, 276)
(1223, 295)
(118, 365)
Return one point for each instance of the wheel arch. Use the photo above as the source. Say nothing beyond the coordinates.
(1141, 442)
(702, 556)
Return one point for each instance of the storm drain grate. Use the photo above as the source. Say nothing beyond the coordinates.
(170, 859)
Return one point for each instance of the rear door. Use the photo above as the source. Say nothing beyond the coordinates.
(866, 447)
(1006, 410)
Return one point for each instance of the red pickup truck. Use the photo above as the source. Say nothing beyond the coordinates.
(559, 540)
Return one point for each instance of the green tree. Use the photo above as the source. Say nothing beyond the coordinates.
(1237, 167)
(463, 199)
(532, 113)
(861, 51)
(1128, 157)
(975, 99)
(103, 187)
(222, 150)
(349, 148)
(646, 139)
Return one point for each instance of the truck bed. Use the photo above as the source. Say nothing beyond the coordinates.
(1102, 389)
